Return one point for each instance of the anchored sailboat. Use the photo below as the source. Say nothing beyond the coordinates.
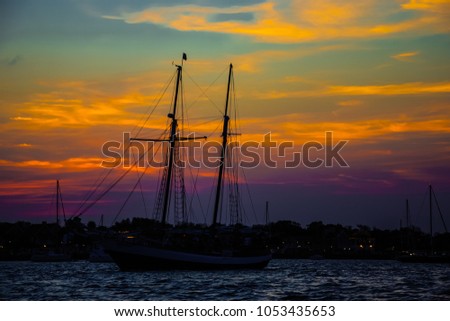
(55, 252)
(169, 247)
(430, 256)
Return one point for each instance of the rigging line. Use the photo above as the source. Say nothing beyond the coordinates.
(156, 205)
(221, 201)
(439, 210)
(250, 196)
(129, 194)
(52, 202)
(206, 117)
(238, 129)
(92, 192)
(215, 129)
(62, 203)
(156, 105)
(423, 203)
(237, 118)
(211, 191)
(208, 121)
(239, 207)
(80, 211)
(194, 187)
(109, 188)
(155, 212)
(182, 105)
(203, 92)
(140, 186)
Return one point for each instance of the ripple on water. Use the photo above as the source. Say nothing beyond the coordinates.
(281, 280)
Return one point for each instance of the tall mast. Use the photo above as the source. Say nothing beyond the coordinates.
(431, 221)
(172, 139)
(57, 202)
(407, 213)
(226, 119)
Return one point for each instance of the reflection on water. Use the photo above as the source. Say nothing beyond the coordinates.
(281, 280)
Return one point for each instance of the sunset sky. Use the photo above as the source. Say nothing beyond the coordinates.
(75, 74)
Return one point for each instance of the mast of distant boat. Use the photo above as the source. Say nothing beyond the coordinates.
(59, 199)
(57, 202)
(431, 220)
(226, 119)
(433, 195)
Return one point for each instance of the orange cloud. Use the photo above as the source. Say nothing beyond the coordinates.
(293, 21)
(414, 88)
(34, 188)
(85, 104)
(298, 128)
(405, 56)
(71, 164)
(21, 118)
(350, 103)
(396, 89)
(435, 5)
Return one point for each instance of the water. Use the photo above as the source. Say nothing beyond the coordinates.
(281, 280)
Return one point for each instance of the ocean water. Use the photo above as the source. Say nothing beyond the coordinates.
(281, 280)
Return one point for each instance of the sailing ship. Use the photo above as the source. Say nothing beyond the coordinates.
(213, 247)
(429, 256)
(53, 253)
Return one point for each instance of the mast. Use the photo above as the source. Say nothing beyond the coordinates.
(164, 194)
(407, 213)
(172, 139)
(57, 202)
(431, 221)
(408, 224)
(226, 119)
(439, 210)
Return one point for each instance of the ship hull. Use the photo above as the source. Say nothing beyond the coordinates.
(132, 257)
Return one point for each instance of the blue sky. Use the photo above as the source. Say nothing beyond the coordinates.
(74, 74)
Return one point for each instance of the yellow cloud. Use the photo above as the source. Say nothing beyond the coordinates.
(358, 130)
(350, 103)
(85, 104)
(268, 23)
(21, 118)
(71, 164)
(330, 12)
(427, 5)
(294, 21)
(413, 88)
(405, 56)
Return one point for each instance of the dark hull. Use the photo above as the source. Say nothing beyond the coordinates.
(50, 258)
(144, 258)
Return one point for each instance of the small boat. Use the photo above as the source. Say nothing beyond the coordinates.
(203, 248)
(98, 255)
(424, 256)
(53, 253)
